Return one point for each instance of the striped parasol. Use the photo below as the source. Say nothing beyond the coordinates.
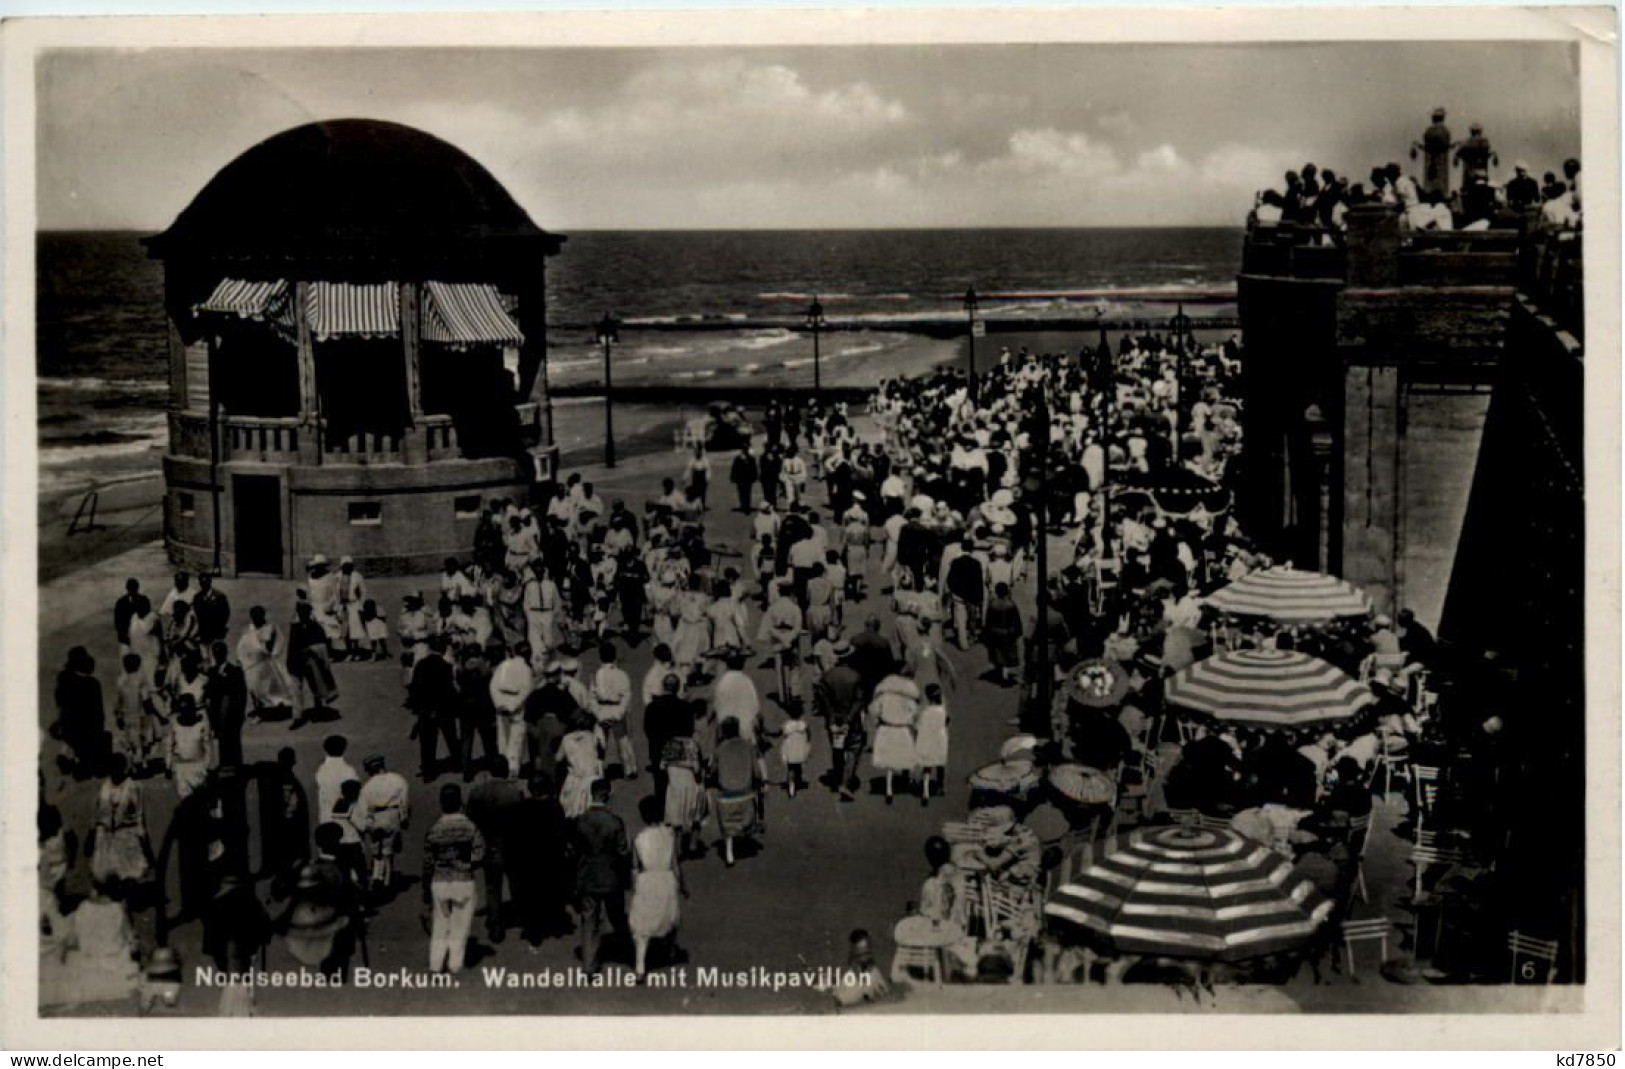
(1084, 785)
(1187, 893)
(1290, 596)
(1268, 688)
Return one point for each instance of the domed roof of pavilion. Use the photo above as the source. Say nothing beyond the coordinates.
(352, 190)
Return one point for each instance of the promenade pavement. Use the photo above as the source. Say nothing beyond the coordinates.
(824, 868)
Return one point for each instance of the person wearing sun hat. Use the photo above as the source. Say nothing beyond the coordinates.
(384, 811)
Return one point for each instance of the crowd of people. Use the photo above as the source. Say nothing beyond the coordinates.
(1317, 199)
(931, 513)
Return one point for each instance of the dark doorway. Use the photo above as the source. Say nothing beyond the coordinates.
(257, 502)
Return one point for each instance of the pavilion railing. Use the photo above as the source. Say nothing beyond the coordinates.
(272, 439)
(277, 439)
(440, 438)
(363, 447)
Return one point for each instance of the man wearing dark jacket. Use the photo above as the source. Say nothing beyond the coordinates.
(966, 584)
(225, 696)
(838, 698)
(743, 475)
(602, 874)
(872, 656)
(432, 697)
(494, 805)
(669, 716)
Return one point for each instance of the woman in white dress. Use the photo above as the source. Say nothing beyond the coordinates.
(191, 747)
(730, 620)
(656, 882)
(261, 654)
(931, 741)
(583, 755)
(146, 639)
(692, 637)
(893, 709)
(119, 846)
(93, 957)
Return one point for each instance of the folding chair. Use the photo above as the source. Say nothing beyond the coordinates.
(1430, 854)
(1107, 570)
(927, 960)
(1376, 929)
(1530, 951)
(1387, 763)
(1424, 791)
(1359, 830)
(1005, 910)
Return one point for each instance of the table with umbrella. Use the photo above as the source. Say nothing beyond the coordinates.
(1202, 895)
(1289, 596)
(1268, 689)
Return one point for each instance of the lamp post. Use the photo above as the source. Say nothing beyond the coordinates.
(1035, 481)
(608, 333)
(815, 323)
(1180, 325)
(970, 351)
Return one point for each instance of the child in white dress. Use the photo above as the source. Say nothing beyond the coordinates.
(794, 749)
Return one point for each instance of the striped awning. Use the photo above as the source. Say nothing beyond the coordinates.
(461, 314)
(1268, 688)
(343, 309)
(1291, 596)
(1187, 893)
(262, 301)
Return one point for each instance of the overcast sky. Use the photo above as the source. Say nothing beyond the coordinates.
(1013, 135)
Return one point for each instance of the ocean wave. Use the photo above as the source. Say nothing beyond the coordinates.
(861, 350)
(92, 384)
(800, 361)
(1191, 286)
(794, 295)
(57, 456)
(764, 339)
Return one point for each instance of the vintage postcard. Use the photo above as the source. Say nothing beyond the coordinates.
(1030, 520)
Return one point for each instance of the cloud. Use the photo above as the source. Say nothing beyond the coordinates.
(1052, 152)
(1042, 177)
(1116, 123)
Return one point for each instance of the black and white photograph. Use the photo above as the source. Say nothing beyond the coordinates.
(822, 525)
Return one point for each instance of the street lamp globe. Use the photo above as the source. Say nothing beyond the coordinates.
(607, 331)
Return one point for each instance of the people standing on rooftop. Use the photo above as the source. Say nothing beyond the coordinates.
(1435, 149)
(1522, 191)
(1476, 157)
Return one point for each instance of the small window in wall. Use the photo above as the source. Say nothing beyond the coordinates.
(366, 513)
(186, 503)
(467, 507)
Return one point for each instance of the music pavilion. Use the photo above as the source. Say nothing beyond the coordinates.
(357, 353)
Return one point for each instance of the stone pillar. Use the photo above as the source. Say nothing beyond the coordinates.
(1373, 245)
(414, 447)
(178, 396)
(533, 384)
(310, 445)
(1373, 474)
